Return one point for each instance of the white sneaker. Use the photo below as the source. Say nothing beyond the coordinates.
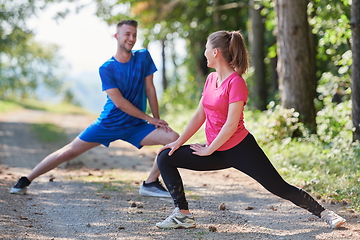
(154, 189)
(331, 218)
(177, 220)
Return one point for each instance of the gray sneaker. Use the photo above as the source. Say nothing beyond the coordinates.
(177, 220)
(21, 186)
(331, 218)
(154, 189)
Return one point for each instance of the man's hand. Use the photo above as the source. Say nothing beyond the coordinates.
(160, 123)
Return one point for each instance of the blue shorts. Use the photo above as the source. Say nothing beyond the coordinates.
(133, 135)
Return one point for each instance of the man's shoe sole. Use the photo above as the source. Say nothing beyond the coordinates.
(19, 191)
(152, 194)
(180, 226)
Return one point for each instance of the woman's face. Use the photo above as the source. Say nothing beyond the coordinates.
(209, 54)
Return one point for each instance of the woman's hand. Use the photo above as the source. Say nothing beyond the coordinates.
(173, 146)
(201, 149)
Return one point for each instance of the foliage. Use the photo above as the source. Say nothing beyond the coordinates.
(275, 124)
(26, 65)
(334, 56)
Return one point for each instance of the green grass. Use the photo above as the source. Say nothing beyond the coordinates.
(110, 181)
(7, 106)
(114, 186)
(48, 132)
(61, 108)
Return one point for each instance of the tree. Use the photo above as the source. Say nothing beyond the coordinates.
(24, 63)
(257, 55)
(355, 86)
(294, 63)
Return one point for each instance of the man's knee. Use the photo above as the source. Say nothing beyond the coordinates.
(173, 136)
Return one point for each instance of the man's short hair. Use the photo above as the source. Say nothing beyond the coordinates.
(127, 22)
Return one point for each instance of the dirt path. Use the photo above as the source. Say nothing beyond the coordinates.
(96, 196)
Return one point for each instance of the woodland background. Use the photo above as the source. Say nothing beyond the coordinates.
(304, 80)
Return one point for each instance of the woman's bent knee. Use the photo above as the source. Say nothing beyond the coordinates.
(163, 157)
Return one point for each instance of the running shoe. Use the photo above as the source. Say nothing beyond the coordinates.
(154, 189)
(21, 186)
(331, 218)
(177, 220)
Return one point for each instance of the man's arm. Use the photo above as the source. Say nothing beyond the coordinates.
(127, 107)
(151, 95)
(153, 101)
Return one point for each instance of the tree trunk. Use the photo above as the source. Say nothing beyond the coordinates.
(274, 78)
(313, 52)
(257, 53)
(201, 62)
(164, 80)
(294, 63)
(355, 85)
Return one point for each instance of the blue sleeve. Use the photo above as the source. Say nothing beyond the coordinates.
(150, 65)
(107, 79)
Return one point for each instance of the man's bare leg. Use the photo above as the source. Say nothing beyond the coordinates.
(152, 187)
(157, 137)
(64, 154)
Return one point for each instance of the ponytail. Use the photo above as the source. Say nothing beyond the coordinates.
(232, 46)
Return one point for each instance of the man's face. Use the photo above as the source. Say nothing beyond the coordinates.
(126, 37)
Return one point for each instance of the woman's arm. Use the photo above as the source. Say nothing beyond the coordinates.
(194, 124)
(192, 127)
(229, 128)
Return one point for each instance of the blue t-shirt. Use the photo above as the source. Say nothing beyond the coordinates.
(129, 78)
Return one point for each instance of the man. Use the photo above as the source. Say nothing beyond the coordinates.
(127, 78)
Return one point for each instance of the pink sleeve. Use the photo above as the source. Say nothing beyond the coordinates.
(238, 90)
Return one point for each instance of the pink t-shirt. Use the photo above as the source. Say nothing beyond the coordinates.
(216, 106)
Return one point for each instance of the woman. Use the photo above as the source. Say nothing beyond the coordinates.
(229, 144)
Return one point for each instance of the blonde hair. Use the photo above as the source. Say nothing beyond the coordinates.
(233, 49)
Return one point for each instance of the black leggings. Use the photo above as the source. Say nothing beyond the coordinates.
(247, 157)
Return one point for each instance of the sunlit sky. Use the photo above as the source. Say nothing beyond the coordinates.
(86, 41)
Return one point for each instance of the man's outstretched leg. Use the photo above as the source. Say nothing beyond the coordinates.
(64, 154)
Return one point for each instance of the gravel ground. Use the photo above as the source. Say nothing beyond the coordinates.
(96, 195)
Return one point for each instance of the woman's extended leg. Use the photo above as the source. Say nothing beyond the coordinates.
(249, 158)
